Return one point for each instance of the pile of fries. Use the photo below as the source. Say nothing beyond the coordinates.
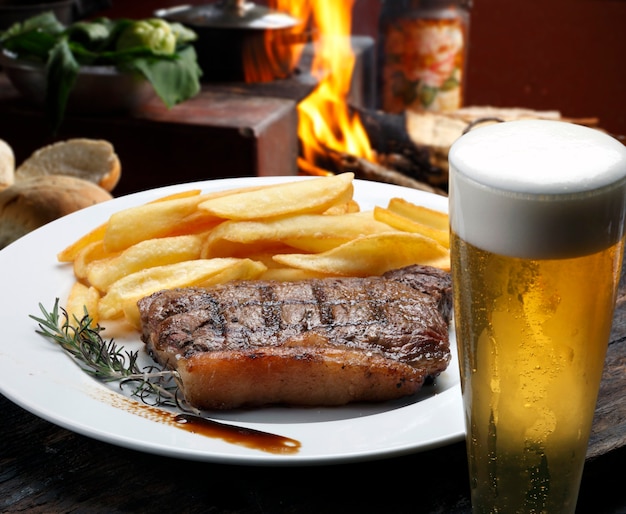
(288, 231)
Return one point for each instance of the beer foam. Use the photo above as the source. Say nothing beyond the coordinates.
(538, 189)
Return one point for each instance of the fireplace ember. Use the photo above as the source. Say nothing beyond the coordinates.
(396, 159)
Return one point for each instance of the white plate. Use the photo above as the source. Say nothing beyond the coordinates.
(40, 377)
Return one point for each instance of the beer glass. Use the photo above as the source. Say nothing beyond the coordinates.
(537, 221)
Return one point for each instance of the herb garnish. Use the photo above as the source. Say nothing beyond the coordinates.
(107, 361)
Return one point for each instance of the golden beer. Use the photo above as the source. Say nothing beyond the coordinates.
(534, 334)
(536, 257)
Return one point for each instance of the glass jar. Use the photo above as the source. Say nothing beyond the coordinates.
(422, 53)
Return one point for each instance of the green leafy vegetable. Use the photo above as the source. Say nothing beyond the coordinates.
(175, 78)
(62, 70)
(157, 35)
(160, 51)
(45, 23)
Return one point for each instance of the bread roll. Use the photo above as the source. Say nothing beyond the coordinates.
(35, 201)
(7, 165)
(90, 159)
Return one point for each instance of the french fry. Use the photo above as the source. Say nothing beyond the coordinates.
(405, 224)
(193, 224)
(71, 252)
(131, 315)
(260, 251)
(173, 215)
(82, 297)
(143, 255)
(336, 231)
(306, 232)
(348, 207)
(419, 213)
(128, 290)
(92, 252)
(298, 197)
(372, 255)
(158, 219)
(176, 196)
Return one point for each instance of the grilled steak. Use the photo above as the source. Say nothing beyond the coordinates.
(314, 342)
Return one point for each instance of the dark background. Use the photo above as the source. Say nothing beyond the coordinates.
(565, 55)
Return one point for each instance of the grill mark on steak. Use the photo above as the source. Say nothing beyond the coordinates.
(271, 314)
(325, 313)
(324, 341)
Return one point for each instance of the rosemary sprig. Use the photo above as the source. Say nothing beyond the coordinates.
(107, 361)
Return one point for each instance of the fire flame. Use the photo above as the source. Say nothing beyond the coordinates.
(325, 121)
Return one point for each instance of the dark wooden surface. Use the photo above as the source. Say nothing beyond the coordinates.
(47, 469)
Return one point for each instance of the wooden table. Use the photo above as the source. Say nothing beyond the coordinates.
(45, 468)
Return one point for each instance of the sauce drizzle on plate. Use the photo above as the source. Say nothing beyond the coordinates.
(248, 437)
(233, 434)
